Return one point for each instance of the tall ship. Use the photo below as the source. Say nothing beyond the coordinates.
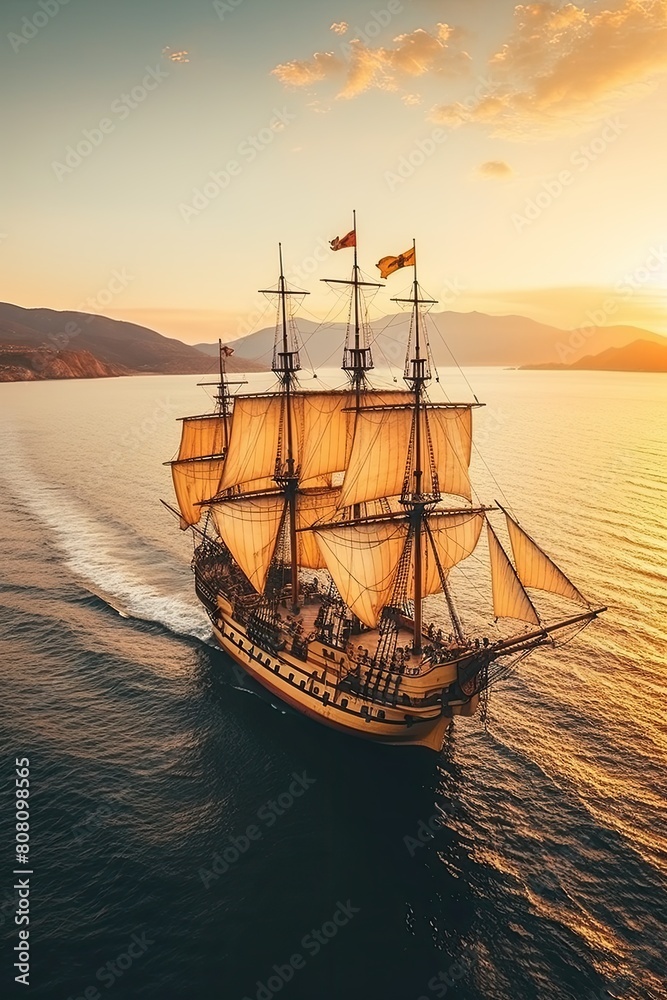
(332, 527)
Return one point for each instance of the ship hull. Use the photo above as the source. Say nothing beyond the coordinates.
(307, 687)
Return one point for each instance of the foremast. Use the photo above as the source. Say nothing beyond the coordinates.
(285, 365)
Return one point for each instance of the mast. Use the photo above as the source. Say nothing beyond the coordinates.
(417, 376)
(223, 395)
(357, 360)
(285, 366)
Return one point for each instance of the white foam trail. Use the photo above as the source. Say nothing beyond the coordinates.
(99, 555)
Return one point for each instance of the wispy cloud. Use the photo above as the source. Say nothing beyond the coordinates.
(339, 27)
(494, 170)
(565, 67)
(361, 67)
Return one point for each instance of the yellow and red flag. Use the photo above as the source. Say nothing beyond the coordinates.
(343, 242)
(390, 264)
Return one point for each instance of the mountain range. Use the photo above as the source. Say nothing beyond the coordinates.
(640, 356)
(96, 347)
(81, 345)
(469, 338)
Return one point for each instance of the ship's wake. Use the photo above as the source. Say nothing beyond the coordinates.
(111, 561)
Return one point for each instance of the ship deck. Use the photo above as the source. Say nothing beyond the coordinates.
(362, 646)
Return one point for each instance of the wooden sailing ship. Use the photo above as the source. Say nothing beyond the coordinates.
(327, 528)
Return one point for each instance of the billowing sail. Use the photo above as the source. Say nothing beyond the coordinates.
(320, 505)
(327, 421)
(454, 537)
(510, 599)
(379, 455)
(198, 470)
(202, 436)
(195, 481)
(535, 568)
(254, 439)
(450, 430)
(383, 444)
(249, 526)
(363, 560)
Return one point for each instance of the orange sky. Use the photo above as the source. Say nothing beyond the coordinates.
(522, 146)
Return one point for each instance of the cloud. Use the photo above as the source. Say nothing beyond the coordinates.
(565, 67)
(339, 27)
(494, 169)
(182, 56)
(361, 67)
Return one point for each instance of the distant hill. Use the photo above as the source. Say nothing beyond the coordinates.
(640, 356)
(35, 364)
(136, 349)
(471, 338)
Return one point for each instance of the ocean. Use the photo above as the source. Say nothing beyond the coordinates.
(190, 838)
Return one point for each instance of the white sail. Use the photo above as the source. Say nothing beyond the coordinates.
(381, 450)
(454, 537)
(362, 560)
(202, 437)
(310, 508)
(253, 443)
(450, 430)
(249, 527)
(195, 481)
(510, 599)
(378, 457)
(535, 568)
(327, 420)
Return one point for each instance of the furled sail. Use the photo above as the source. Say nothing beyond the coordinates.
(454, 537)
(510, 599)
(197, 471)
(363, 560)
(382, 446)
(250, 526)
(535, 568)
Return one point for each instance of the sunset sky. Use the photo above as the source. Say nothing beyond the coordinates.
(523, 147)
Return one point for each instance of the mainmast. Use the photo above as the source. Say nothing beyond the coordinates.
(417, 376)
(357, 360)
(286, 365)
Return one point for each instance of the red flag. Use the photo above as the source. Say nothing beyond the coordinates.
(227, 351)
(343, 242)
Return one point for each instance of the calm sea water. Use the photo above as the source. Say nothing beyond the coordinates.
(150, 757)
